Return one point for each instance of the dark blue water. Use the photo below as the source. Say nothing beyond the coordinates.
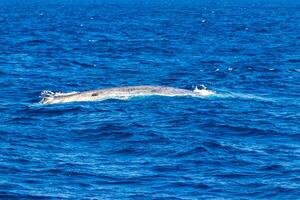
(242, 144)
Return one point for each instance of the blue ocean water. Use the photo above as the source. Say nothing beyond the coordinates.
(243, 143)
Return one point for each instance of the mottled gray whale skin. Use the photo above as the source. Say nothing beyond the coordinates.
(122, 93)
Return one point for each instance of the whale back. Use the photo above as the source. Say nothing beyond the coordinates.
(120, 93)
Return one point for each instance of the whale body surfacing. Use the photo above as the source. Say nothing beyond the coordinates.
(121, 93)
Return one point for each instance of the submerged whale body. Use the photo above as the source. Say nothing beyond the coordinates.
(121, 93)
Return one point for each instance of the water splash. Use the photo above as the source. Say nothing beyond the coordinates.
(203, 91)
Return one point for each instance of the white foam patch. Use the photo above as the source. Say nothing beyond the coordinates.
(204, 91)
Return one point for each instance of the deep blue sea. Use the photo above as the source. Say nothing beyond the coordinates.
(243, 143)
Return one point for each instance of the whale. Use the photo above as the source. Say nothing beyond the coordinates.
(121, 93)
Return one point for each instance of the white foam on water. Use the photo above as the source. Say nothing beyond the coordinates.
(204, 91)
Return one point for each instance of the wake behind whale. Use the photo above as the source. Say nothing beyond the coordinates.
(121, 93)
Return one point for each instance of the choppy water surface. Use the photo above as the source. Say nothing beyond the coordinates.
(241, 144)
